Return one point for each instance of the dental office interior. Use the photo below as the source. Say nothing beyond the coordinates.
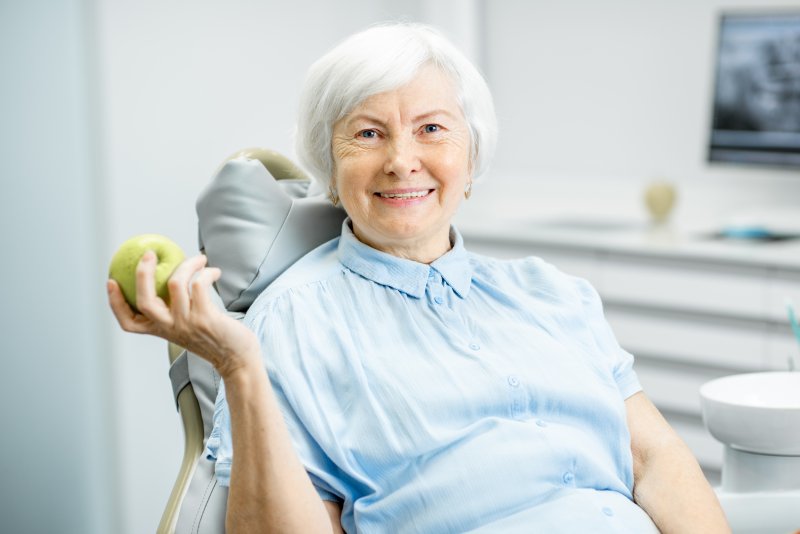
(116, 114)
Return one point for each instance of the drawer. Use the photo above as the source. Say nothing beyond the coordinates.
(668, 283)
(730, 344)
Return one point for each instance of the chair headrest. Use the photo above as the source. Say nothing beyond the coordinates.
(254, 227)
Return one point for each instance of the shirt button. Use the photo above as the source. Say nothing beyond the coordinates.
(568, 477)
(513, 381)
(438, 300)
(608, 511)
(474, 346)
(540, 423)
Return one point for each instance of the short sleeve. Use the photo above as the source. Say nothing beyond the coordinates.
(219, 449)
(300, 398)
(621, 360)
(321, 470)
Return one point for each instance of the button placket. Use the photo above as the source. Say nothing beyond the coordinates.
(439, 295)
(518, 396)
(434, 286)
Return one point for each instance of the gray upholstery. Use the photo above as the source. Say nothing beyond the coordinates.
(253, 227)
(204, 506)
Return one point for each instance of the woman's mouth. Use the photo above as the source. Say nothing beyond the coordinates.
(406, 194)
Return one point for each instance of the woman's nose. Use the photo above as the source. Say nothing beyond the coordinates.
(402, 159)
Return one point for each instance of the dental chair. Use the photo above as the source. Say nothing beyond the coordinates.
(258, 215)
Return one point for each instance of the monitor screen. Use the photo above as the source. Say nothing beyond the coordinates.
(756, 110)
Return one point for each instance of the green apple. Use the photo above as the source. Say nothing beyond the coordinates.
(123, 265)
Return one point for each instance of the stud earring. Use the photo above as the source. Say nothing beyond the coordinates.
(333, 196)
(468, 190)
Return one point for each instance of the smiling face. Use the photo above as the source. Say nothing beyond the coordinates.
(402, 163)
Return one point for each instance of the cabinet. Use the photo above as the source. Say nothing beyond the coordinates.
(688, 311)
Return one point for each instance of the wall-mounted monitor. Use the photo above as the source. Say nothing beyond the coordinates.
(756, 108)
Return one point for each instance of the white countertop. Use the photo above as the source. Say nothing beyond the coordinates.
(608, 226)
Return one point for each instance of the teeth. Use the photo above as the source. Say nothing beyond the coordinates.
(415, 194)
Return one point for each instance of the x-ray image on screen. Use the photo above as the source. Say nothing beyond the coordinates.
(757, 95)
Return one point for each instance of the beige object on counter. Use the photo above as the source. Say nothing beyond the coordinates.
(659, 197)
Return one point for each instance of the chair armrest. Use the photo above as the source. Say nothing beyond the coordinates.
(193, 433)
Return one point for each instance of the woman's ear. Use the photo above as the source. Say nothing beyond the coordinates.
(333, 194)
(473, 157)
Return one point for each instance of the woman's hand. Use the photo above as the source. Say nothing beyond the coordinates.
(270, 489)
(191, 320)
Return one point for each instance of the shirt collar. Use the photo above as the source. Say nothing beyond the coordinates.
(408, 276)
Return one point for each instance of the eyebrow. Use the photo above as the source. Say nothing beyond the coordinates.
(428, 114)
(365, 117)
(433, 113)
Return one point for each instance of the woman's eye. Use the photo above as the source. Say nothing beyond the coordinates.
(431, 128)
(368, 134)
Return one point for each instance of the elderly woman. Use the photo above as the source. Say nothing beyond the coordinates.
(410, 385)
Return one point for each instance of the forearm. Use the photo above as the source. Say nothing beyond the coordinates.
(270, 490)
(672, 489)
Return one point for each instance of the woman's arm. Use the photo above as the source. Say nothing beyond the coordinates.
(668, 482)
(270, 489)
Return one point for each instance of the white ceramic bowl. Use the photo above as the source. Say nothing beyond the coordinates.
(755, 412)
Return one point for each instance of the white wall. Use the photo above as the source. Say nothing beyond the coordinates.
(56, 455)
(601, 97)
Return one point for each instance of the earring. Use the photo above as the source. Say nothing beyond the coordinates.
(468, 190)
(333, 196)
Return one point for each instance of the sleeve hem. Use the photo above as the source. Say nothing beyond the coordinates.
(629, 385)
(222, 470)
(327, 495)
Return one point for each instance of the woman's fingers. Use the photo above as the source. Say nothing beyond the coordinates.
(178, 285)
(124, 314)
(201, 301)
(147, 301)
(190, 302)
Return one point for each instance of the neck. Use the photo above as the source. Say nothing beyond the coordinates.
(421, 250)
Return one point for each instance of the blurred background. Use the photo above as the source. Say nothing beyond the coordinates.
(115, 114)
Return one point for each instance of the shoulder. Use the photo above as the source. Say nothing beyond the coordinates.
(304, 276)
(529, 274)
(534, 277)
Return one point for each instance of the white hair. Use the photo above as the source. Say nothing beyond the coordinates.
(379, 59)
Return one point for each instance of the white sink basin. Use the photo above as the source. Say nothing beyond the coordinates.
(756, 412)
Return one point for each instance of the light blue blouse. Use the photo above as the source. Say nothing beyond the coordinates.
(471, 394)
